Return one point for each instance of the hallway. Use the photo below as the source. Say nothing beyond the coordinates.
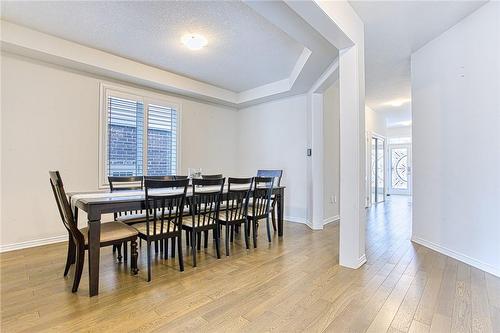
(422, 289)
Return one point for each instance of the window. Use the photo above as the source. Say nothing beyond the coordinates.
(139, 135)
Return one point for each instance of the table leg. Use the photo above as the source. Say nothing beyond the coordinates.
(94, 253)
(280, 203)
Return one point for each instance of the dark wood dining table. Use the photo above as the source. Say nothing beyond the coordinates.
(98, 205)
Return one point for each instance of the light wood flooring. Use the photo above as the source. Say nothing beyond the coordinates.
(293, 285)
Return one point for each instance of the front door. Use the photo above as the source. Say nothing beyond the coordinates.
(400, 169)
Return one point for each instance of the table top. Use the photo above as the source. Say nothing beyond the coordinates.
(106, 197)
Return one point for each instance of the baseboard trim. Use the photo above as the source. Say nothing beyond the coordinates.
(356, 264)
(301, 220)
(33, 243)
(458, 256)
(333, 219)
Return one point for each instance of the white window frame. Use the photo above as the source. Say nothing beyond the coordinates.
(146, 98)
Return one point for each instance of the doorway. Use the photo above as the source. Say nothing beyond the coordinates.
(400, 169)
(377, 173)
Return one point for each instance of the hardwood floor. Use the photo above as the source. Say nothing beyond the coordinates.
(292, 285)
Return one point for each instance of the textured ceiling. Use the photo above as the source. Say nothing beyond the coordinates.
(244, 49)
(393, 31)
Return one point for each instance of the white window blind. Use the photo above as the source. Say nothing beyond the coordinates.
(125, 137)
(162, 140)
(140, 136)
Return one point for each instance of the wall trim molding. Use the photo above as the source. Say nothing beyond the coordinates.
(458, 256)
(333, 219)
(33, 243)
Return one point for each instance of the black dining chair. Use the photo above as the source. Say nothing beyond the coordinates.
(112, 233)
(204, 207)
(126, 183)
(119, 183)
(276, 174)
(261, 205)
(218, 176)
(234, 212)
(165, 177)
(164, 213)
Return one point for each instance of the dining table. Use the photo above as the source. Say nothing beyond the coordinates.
(97, 203)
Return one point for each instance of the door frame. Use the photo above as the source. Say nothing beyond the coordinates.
(369, 136)
(391, 190)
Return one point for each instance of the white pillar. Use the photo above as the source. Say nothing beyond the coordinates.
(352, 217)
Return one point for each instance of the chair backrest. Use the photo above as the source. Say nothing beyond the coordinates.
(119, 183)
(205, 203)
(277, 174)
(238, 196)
(159, 178)
(164, 211)
(64, 207)
(262, 195)
(218, 176)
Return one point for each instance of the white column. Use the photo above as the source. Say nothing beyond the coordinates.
(317, 160)
(352, 217)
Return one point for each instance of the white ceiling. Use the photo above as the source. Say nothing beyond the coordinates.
(244, 51)
(393, 31)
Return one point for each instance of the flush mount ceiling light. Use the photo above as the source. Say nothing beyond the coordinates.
(194, 41)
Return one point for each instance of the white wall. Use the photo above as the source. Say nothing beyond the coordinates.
(374, 122)
(456, 144)
(331, 154)
(273, 136)
(50, 121)
(398, 132)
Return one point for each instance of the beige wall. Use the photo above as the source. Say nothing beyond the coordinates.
(49, 120)
(273, 136)
(331, 147)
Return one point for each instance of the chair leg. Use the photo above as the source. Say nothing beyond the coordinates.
(205, 245)
(246, 234)
(199, 240)
(70, 259)
(273, 215)
(217, 241)
(254, 231)
(165, 247)
(125, 251)
(173, 241)
(80, 259)
(149, 259)
(188, 236)
(115, 247)
(268, 227)
(232, 233)
(156, 247)
(134, 255)
(119, 249)
(179, 249)
(193, 247)
(226, 239)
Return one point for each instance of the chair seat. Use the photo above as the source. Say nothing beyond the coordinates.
(111, 231)
(223, 216)
(141, 217)
(132, 218)
(143, 228)
(188, 221)
(251, 213)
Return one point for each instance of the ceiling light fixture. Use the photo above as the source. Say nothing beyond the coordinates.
(194, 41)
